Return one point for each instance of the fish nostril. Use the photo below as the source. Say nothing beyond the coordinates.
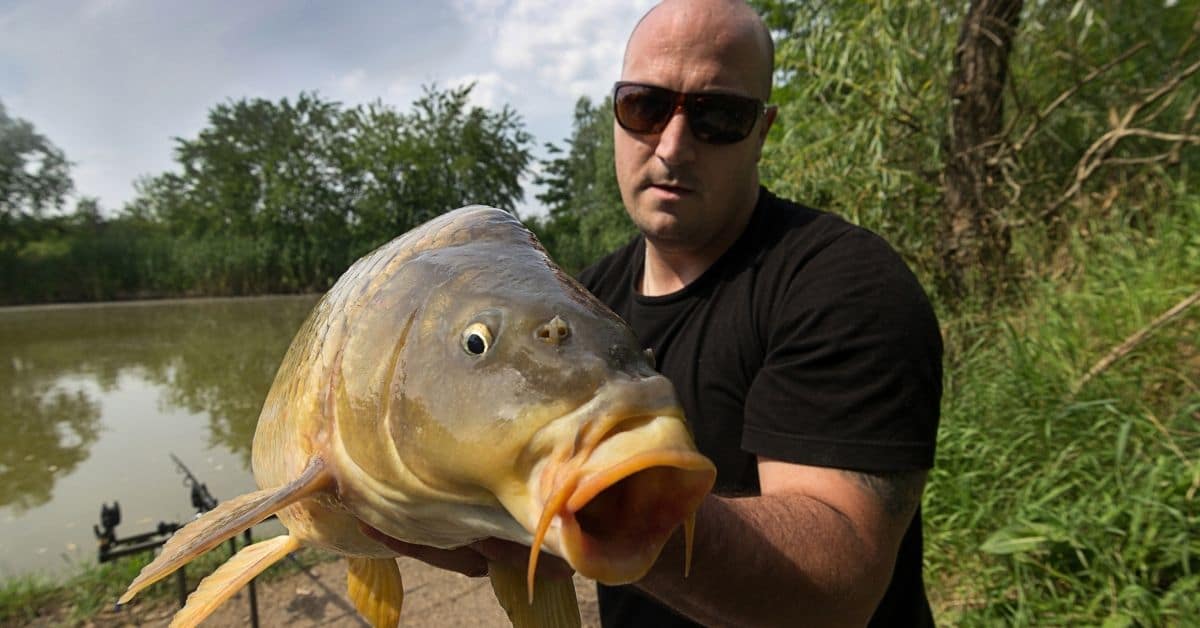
(554, 331)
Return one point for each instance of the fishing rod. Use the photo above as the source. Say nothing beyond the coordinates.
(202, 500)
(112, 547)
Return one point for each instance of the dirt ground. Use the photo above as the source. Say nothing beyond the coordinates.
(316, 596)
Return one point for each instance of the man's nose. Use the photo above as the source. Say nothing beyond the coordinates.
(675, 143)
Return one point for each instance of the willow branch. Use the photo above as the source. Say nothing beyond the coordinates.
(1131, 343)
(1063, 97)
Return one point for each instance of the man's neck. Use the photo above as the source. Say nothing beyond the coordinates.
(669, 268)
(666, 271)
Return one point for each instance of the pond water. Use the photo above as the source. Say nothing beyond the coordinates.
(94, 398)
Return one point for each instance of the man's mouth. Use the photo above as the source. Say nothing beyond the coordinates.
(671, 188)
(669, 193)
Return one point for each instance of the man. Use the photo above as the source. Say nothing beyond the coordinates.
(806, 356)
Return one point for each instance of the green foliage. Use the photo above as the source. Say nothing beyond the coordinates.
(406, 169)
(1048, 507)
(864, 107)
(34, 177)
(861, 89)
(285, 195)
(1065, 161)
(276, 197)
(586, 216)
(34, 173)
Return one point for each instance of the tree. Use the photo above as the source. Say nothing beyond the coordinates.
(34, 176)
(282, 196)
(860, 88)
(403, 169)
(1044, 115)
(34, 173)
(973, 234)
(586, 216)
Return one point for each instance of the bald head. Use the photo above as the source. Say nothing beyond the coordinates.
(731, 26)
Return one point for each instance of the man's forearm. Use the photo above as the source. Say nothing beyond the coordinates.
(743, 571)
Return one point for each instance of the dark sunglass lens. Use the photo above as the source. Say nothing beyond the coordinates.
(642, 109)
(722, 119)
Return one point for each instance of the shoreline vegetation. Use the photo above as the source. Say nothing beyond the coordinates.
(1061, 250)
(74, 598)
(150, 302)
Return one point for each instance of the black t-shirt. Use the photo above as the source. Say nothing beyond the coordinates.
(808, 341)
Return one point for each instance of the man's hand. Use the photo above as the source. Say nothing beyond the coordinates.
(472, 560)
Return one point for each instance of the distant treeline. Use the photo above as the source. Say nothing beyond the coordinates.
(974, 136)
(271, 197)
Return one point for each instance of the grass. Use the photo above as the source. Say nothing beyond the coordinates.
(95, 587)
(1049, 507)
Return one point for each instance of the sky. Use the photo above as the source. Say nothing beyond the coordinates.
(113, 82)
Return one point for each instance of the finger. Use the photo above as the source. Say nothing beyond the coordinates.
(516, 554)
(463, 560)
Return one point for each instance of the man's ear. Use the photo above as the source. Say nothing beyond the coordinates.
(768, 119)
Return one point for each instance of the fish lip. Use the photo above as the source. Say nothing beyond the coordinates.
(598, 482)
(667, 488)
(630, 433)
(615, 403)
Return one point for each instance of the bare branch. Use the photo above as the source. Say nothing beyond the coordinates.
(1140, 161)
(1159, 135)
(1187, 123)
(1165, 88)
(1062, 98)
(1135, 339)
(1097, 154)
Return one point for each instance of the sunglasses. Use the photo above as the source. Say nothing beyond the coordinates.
(712, 118)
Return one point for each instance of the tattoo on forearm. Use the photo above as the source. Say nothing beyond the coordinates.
(899, 492)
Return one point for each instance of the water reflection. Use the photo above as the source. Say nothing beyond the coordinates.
(70, 377)
(58, 425)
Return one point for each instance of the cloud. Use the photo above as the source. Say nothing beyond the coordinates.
(491, 90)
(352, 81)
(571, 48)
(111, 82)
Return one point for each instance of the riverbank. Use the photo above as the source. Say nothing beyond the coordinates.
(314, 594)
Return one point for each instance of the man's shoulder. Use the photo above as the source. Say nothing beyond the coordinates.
(789, 233)
(820, 259)
(612, 270)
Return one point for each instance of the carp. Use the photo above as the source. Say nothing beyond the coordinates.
(455, 385)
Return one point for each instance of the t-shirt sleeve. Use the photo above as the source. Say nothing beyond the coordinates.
(852, 371)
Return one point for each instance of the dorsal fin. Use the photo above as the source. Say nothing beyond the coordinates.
(226, 520)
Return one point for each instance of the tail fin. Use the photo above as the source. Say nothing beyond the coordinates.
(225, 521)
(231, 576)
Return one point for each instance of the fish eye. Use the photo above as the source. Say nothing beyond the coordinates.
(477, 339)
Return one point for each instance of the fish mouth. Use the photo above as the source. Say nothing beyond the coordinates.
(617, 521)
(617, 502)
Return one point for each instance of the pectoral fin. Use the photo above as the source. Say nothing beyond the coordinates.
(374, 585)
(231, 576)
(226, 520)
(554, 603)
